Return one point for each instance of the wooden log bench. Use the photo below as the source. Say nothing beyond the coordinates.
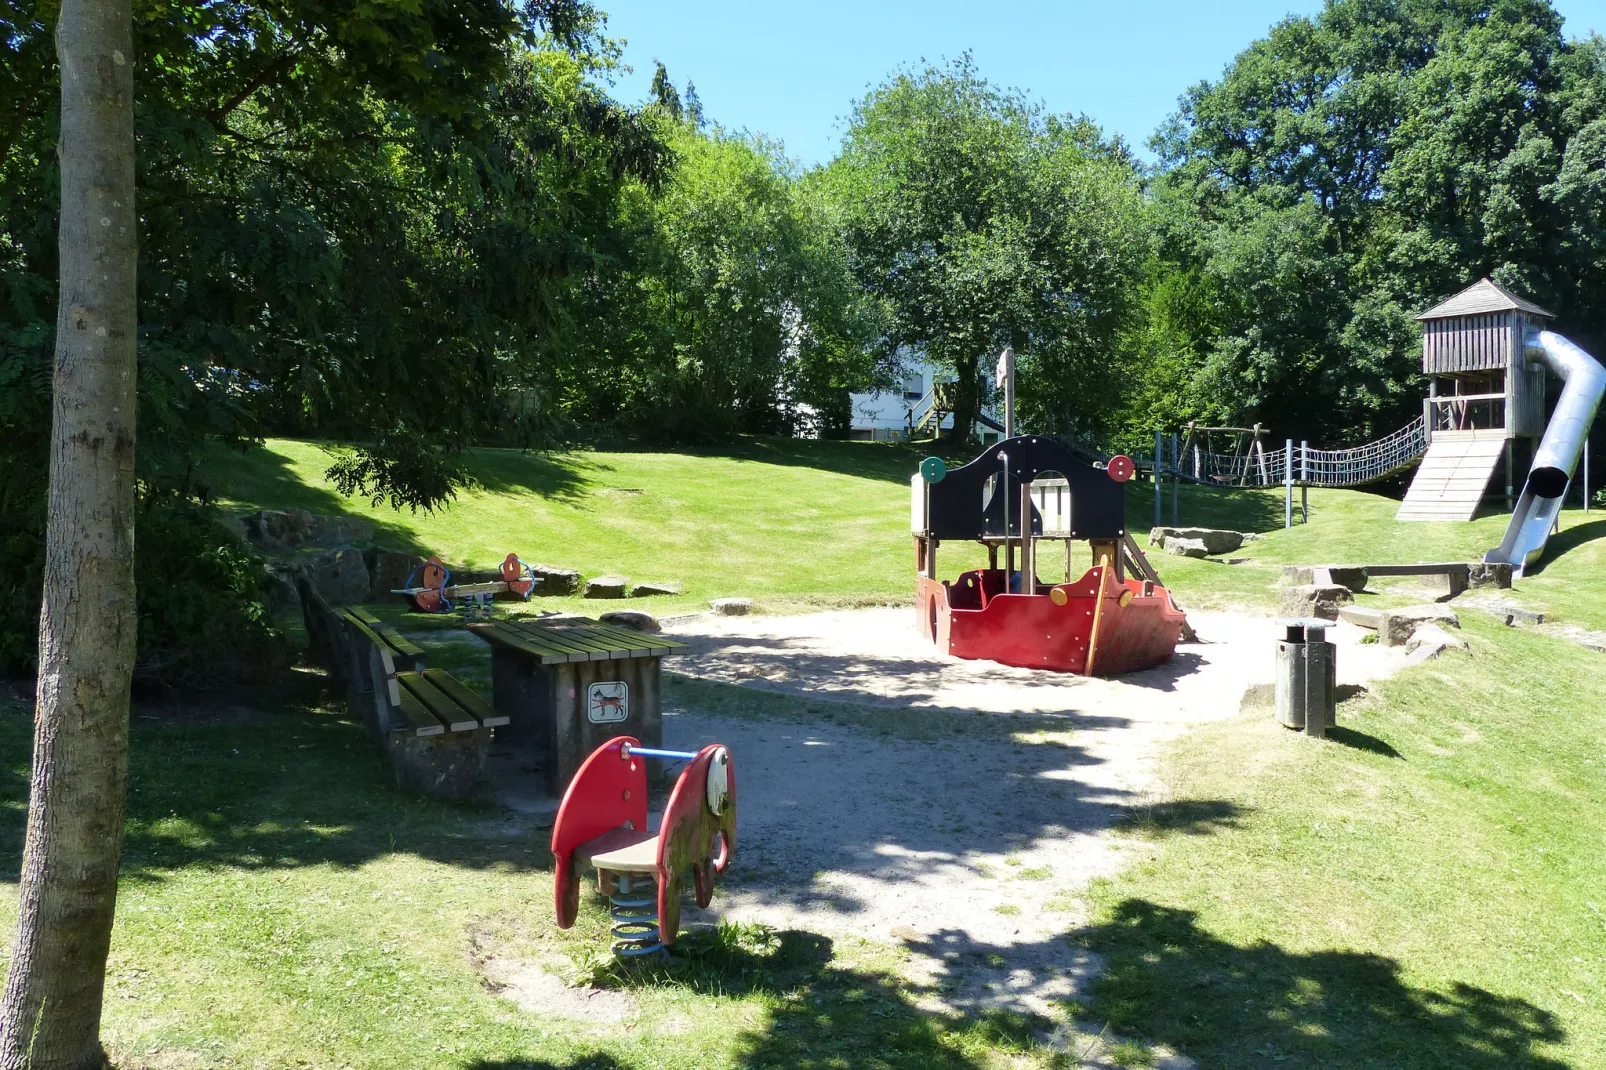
(436, 731)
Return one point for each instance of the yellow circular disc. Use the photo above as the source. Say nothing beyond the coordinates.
(1126, 596)
(1057, 596)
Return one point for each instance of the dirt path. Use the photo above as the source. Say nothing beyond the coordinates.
(969, 848)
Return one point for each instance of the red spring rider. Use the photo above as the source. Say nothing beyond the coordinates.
(602, 823)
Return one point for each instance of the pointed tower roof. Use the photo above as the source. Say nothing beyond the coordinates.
(1485, 295)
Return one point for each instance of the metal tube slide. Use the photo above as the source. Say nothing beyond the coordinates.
(1559, 450)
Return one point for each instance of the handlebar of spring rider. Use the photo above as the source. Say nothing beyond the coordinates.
(626, 750)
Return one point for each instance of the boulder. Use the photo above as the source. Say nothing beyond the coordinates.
(555, 581)
(341, 576)
(1313, 600)
(1430, 640)
(275, 529)
(1351, 576)
(645, 590)
(732, 607)
(634, 619)
(1175, 544)
(1489, 574)
(1297, 576)
(1360, 617)
(607, 587)
(1396, 625)
(284, 592)
(1215, 540)
(388, 571)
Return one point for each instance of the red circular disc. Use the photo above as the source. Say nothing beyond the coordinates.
(1121, 468)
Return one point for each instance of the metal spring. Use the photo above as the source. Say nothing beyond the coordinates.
(634, 909)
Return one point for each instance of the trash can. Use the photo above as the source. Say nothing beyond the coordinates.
(1307, 676)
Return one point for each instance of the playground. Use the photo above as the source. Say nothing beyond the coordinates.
(956, 863)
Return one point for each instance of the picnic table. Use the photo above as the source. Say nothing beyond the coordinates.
(569, 684)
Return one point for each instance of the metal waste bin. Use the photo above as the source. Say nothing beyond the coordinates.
(1307, 676)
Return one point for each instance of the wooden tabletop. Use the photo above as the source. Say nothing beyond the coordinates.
(572, 639)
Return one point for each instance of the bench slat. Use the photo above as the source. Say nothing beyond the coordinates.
(400, 644)
(502, 635)
(448, 712)
(573, 639)
(455, 690)
(416, 719)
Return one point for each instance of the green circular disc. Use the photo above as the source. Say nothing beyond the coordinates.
(932, 469)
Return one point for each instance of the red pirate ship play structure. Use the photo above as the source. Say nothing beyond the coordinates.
(1018, 495)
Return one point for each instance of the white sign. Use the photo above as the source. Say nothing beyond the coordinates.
(1006, 367)
(608, 701)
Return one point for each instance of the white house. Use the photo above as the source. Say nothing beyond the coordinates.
(886, 416)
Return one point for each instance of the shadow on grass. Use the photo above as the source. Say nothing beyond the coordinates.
(1167, 979)
(821, 1012)
(889, 461)
(264, 790)
(1568, 539)
(1185, 817)
(1361, 741)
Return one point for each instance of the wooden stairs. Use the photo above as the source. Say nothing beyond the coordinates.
(1454, 475)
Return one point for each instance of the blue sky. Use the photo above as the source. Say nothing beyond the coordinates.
(793, 70)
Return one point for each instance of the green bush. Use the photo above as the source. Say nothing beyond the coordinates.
(201, 596)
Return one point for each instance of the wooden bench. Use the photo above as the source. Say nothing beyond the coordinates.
(436, 731)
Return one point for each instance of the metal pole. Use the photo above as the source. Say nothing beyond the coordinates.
(1009, 547)
(1157, 491)
(1008, 358)
(1288, 484)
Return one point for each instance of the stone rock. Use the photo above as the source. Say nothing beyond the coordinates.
(341, 576)
(1396, 626)
(732, 607)
(388, 571)
(274, 529)
(1175, 544)
(1361, 617)
(555, 581)
(1429, 641)
(645, 590)
(1297, 576)
(607, 587)
(1510, 613)
(1351, 576)
(1313, 600)
(1489, 574)
(1215, 540)
(284, 592)
(633, 619)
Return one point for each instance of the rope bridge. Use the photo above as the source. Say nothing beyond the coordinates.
(1311, 467)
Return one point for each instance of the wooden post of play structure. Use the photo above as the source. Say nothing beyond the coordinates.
(1176, 485)
(1304, 482)
(1157, 484)
(1028, 549)
(1288, 484)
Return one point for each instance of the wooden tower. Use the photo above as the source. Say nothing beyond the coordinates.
(1483, 396)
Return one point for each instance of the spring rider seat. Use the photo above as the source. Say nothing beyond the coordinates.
(602, 823)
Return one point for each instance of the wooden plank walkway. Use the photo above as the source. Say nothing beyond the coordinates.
(1453, 477)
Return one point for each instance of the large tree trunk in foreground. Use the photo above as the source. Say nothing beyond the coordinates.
(50, 1018)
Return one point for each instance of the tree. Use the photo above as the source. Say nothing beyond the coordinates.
(50, 1017)
(734, 310)
(1348, 171)
(979, 221)
(664, 93)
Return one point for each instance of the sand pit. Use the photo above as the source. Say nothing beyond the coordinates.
(969, 847)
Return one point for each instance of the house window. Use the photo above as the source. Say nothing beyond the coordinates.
(914, 387)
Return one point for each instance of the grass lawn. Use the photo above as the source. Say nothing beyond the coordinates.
(1422, 890)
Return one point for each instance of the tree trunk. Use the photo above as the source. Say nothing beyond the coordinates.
(50, 1017)
(967, 400)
